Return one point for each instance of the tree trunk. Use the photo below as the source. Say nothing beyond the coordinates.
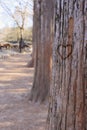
(43, 36)
(68, 93)
(31, 62)
(21, 40)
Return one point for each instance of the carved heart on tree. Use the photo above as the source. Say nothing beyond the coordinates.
(62, 46)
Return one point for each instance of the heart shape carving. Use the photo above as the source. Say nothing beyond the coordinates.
(67, 46)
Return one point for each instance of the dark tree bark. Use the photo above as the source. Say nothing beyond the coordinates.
(43, 37)
(68, 93)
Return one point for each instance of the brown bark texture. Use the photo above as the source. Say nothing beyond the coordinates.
(42, 43)
(68, 92)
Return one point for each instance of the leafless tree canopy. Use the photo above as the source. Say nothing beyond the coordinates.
(22, 10)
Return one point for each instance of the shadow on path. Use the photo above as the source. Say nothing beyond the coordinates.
(16, 112)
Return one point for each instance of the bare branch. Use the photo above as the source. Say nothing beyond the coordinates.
(22, 10)
(3, 5)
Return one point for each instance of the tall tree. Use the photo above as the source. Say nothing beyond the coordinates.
(42, 43)
(68, 101)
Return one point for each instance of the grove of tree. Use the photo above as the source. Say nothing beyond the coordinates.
(59, 57)
(12, 35)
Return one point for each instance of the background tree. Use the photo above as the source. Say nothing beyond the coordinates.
(42, 45)
(19, 15)
(68, 102)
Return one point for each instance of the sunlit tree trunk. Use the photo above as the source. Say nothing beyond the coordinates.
(43, 37)
(68, 93)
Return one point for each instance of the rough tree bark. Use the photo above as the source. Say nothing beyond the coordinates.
(68, 93)
(43, 36)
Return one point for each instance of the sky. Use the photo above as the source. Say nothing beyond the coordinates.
(6, 20)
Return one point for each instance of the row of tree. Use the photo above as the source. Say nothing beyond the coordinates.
(60, 61)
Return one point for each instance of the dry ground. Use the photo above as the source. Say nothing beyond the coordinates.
(16, 111)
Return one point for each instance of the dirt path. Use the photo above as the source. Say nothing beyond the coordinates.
(16, 112)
